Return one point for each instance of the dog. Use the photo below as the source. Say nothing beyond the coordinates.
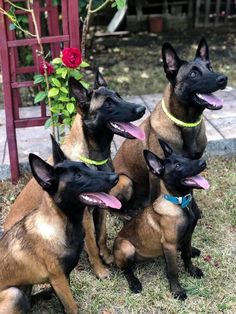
(177, 120)
(101, 114)
(167, 225)
(46, 244)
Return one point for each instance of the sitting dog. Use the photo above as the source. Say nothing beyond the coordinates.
(167, 225)
(177, 120)
(46, 244)
(101, 114)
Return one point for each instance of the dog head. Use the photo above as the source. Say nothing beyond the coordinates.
(194, 81)
(178, 173)
(72, 184)
(104, 110)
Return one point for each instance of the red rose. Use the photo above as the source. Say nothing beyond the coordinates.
(71, 57)
(45, 66)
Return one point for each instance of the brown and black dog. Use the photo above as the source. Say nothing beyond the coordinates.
(46, 244)
(102, 113)
(185, 98)
(165, 226)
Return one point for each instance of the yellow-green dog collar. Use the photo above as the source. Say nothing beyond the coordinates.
(93, 162)
(177, 121)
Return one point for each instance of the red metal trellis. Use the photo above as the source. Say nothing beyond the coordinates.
(62, 30)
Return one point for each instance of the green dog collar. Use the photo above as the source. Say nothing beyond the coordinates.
(93, 162)
(177, 121)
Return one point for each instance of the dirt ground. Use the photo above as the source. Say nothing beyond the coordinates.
(132, 64)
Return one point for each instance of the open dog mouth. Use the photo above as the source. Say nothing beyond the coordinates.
(197, 182)
(100, 199)
(210, 101)
(126, 129)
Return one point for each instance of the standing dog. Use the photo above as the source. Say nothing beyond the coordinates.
(102, 113)
(177, 120)
(46, 244)
(165, 226)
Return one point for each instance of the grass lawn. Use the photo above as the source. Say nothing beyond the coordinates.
(215, 235)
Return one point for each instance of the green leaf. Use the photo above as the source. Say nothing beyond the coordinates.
(56, 82)
(55, 109)
(85, 84)
(48, 123)
(57, 61)
(76, 74)
(120, 4)
(64, 73)
(53, 92)
(65, 113)
(59, 71)
(84, 64)
(40, 97)
(70, 107)
(38, 78)
(64, 99)
(64, 90)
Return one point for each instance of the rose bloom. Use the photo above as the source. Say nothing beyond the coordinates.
(45, 66)
(71, 57)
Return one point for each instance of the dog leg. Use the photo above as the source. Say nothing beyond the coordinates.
(101, 235)
(61, 287)
(91, 246)
(124, 188)
(124, 253)
(186, 252)
(170, 253)
(13, 301)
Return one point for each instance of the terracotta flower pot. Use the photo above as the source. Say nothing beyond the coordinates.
(155, 23)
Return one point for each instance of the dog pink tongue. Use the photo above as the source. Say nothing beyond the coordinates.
(200, 181)
(106, 199)
(132, 130)
(212, 99)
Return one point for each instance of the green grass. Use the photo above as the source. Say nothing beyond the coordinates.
(215, 235)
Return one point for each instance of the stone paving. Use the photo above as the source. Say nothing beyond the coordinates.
(220, 126)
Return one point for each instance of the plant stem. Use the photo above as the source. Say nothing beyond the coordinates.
(31, 10)
(101, 7)
(85, 29)
(17, 7)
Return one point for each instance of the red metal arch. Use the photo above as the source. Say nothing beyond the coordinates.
(62, 30)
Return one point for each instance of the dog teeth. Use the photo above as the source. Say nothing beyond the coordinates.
(200, 96)
(87, 198)
(116, 126)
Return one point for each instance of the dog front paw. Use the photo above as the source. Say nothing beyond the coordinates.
(179, 294)
(101, 272)
(196, 272)
(135, 286)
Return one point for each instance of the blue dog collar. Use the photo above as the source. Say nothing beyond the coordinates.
(179, 200)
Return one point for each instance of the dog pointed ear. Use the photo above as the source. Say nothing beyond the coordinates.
(171, 61)
(78, 91)
(154, 163)
(166, 148)
(99, 80)
(57, 153)
(43, 173)
(202, 50)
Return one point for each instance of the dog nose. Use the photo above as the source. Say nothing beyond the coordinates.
(114, 178)
(221, 80)
(140, 110)
(202, 164)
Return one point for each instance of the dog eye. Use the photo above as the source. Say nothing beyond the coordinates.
(177, 165)
(193, 74)
(108, 104)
